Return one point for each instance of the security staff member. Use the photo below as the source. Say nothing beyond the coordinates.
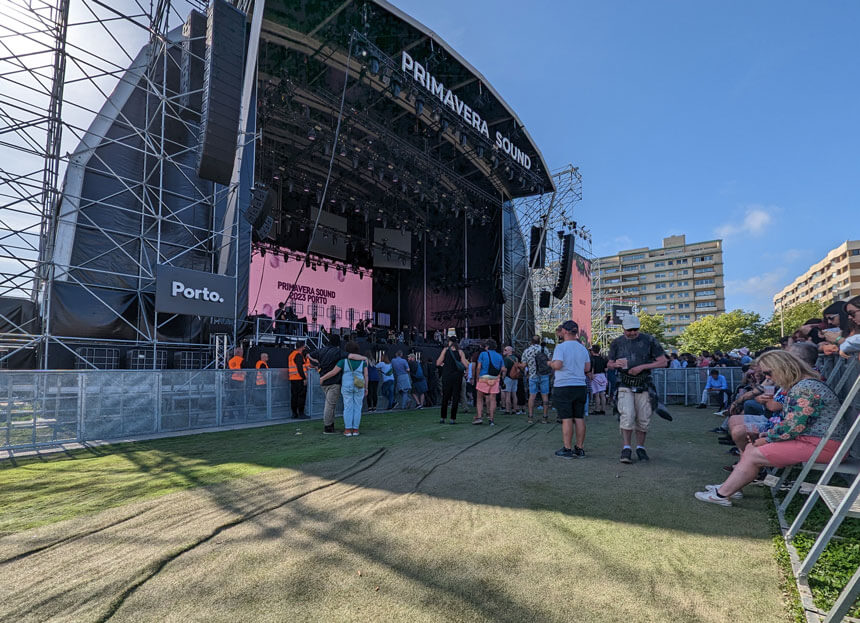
(263, 363)
(236, 391)
(297, 370)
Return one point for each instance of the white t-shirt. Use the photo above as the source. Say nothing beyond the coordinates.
(573, 356)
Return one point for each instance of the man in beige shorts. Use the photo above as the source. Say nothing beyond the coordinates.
(634, 355)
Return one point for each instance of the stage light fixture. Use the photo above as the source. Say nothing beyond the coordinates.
(370, 165)
(395, 178)
(306, 188)
(307, 262)
(444, 125)
(319, 196)
(386, 77)
(373, 65)
(462, 139)
(355, 162)
(342, 150)
(325, 267)
(290, 187)
(396, 87)
(312, 134)
(262, 252)
(480, 151)
(381, 175)
(286, 257)
(437, 114)
(495, 161)
(510, 174)
(419, 105)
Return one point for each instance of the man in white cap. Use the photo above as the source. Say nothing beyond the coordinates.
(634, 355)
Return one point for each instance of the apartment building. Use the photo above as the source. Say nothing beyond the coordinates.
(834, 278)
(680, 281)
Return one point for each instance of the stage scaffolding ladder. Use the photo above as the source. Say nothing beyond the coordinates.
(841, 502)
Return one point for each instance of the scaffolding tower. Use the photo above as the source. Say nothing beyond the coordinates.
(59, 59)
(554, 215)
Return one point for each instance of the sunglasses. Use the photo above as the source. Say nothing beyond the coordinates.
(767, 372)
(631, 330)
(832, 317)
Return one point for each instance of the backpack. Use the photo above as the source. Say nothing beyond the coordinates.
(357, 374)
(516, 370)
(542, 363)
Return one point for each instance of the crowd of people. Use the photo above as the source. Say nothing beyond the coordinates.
(784, 406)
(773, 418)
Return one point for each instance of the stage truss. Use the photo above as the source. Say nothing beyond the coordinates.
(555, 214)
(60, 60)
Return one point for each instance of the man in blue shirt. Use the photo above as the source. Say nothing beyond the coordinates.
(716, 385)
(571, 362)
(490, 371)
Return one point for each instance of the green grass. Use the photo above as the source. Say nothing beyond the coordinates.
(459, 523)
(840, 558)
(54, 487)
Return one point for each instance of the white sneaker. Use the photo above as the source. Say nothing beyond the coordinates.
(737, 495)
(709, 495)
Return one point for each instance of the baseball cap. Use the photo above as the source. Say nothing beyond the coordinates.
(630, 322)
(570, 325)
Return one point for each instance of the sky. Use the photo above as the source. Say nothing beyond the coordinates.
(735, 120)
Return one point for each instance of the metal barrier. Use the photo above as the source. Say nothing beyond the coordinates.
(685, 385)
(288, 332)
(47, 408)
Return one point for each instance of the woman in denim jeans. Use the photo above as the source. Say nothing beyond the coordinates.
(353, 387)
(387, 373)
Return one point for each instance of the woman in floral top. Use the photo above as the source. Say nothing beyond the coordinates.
(808, 412)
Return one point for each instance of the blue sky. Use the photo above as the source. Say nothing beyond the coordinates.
(734, 120)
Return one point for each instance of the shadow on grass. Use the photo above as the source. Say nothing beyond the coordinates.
(510, 465)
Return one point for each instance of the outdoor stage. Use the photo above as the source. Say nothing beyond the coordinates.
(339, 157)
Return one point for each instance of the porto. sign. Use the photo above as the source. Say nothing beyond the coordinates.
(423, 77)
(193, 292)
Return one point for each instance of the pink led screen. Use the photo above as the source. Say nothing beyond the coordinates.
(317, 290)
(580, 295)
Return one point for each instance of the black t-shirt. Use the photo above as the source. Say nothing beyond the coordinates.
(642, 349)
(329, 358)
(449, 366)
(598, 364)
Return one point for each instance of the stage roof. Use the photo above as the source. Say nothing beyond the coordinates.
(421, 130)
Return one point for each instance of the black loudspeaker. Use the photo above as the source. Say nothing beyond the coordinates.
(543, 302)
(266, 229)
(193, 59)
(222, 91)
(259, 197)
(537, 257)
(564, 270)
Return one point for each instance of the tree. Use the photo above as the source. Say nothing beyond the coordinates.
(656, 325)
(724, 332)
(787, 321)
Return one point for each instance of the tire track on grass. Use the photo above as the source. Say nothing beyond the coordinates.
(155, 568)
(71, 538)
(456, 454)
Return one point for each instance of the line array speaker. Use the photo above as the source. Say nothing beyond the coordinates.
(537, 257)
(260, 195)
(564, 270)
(543, 302)
(193, 58)
(222, 91)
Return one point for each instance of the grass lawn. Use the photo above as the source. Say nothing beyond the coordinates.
(410, 521)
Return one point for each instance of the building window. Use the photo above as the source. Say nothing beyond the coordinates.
(660, 307)
(661, 297)
(855, 251)
(682, 261)
(704, 258)
(659, 264)
(706, 293)
(660, 286)
(704, 282)
(706, 304)
(706, 269)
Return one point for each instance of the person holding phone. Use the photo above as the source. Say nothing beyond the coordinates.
(453, 363)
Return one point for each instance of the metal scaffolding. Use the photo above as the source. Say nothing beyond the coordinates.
(553, 213)
(59, 60)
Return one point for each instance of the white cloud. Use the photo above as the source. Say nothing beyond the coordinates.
(755, 293)
(755, 222)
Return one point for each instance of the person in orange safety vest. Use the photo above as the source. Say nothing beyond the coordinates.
(263, 363)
